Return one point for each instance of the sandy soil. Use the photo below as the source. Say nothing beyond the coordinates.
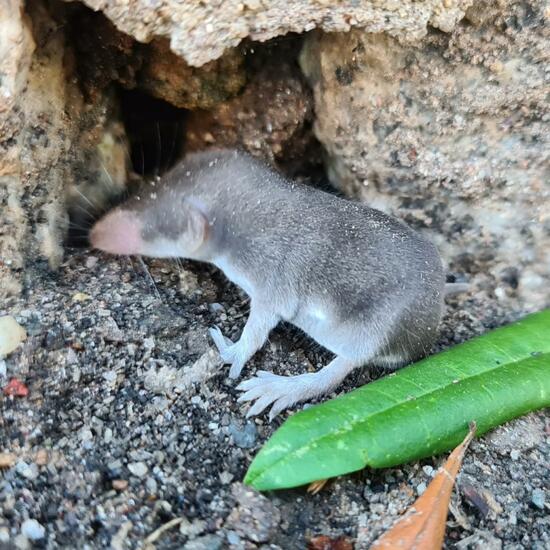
(130, 422)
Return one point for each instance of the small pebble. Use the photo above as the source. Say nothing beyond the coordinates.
(108, 435)
(226, 477)
(91, 261)
(149, 343)
(21, 542)
(514, 454)
(208, 542)
(233, 538)
(120, 484)
(11, 334)
(7, 460)
(32, 529)
(81, 297)
(538, 498)
(151, 486)
(245, 438)
(28, 471)
(139, 469)
(428, 470)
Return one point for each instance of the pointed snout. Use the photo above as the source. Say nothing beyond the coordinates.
(119, 232)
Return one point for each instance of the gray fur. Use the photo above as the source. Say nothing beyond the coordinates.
(358, 281)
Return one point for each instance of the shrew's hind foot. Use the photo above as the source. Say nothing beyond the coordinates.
(282, 392)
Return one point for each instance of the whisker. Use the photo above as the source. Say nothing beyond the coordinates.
(69, 223)
(85, 198)
(113, 186)
(89, 215)
(142, 159)
(170, 157)
(159, 151)
(151, 280)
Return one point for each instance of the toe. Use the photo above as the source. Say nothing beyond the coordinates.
(280, 405)
(217, 337)
(252, 394)
(250, 383)
(260, 405)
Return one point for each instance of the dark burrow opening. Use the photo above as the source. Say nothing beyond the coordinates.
(155, 131)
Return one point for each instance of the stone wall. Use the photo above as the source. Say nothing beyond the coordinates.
(450, 134)
(432, 110)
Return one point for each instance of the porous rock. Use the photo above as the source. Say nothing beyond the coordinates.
(270, 118)
(202, 31)
(106, 55)
(50, 139)
(451, 135)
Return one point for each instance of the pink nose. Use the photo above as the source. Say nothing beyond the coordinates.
(119, 232)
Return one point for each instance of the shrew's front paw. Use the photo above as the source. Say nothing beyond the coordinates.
(225, 345)
(231, 353)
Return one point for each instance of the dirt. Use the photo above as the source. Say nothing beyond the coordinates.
(130, 422)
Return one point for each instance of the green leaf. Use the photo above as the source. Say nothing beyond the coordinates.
(419, 411)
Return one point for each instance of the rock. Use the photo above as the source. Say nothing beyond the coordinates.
(108, 435)
(7, 460)
(538, 498)
(11, 335)
(139, 469)
(255, 518)
(152, 67)
(192, 529)
(226, 477)
(120, 484)
(151, 485)
(202, 32)
(49, 137)
(111, 331)
(81, 297)
(244, 437)
(269, 118)
(28, 471)
(169, 77)
(233, 538)
(208, 542)
(33, 530)
(428, 470)
(429, 132)
(21, 542)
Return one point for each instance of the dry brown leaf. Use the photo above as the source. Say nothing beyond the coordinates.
(423, 526)
(315, 486)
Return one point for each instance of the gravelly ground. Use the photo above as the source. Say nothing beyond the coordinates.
(131, 422)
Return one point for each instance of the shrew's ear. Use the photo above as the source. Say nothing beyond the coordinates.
(197, 224)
